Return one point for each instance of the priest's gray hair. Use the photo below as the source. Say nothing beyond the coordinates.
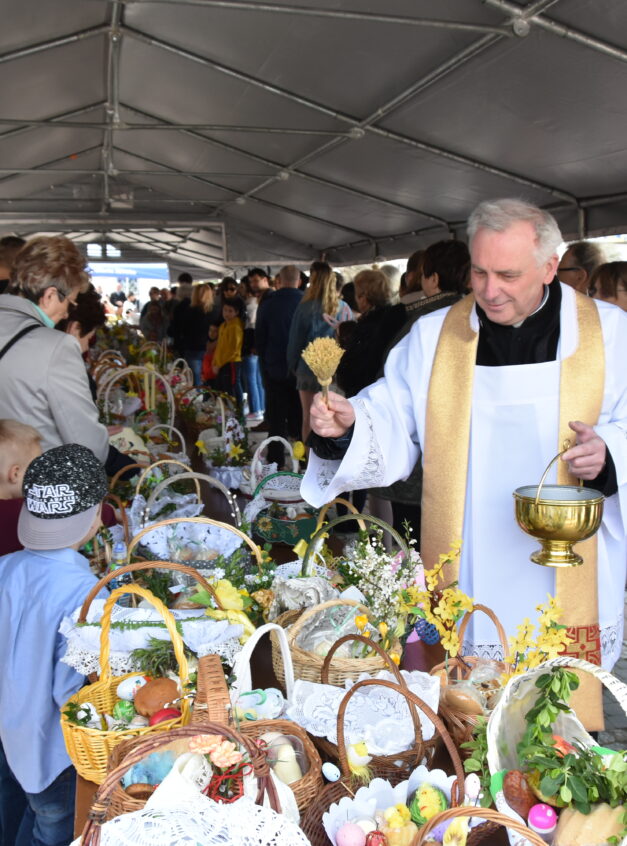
(499, 215)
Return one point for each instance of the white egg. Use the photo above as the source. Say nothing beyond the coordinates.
(129, 687)
(472, 787)
(139, 721)
(331, 772)
(366, 825)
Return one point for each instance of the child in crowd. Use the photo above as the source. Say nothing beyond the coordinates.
(208, 374)
(40, 585)
(19, 445)
(227, 358)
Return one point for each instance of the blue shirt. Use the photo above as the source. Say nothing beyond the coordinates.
(37, 589)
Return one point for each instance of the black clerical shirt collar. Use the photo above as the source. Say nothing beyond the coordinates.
(533, 341)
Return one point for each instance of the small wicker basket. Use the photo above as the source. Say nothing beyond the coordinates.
(308, 665)
(494, 821)
(100, 809)
(400, 764)
(88, 748)
(213, 704)
(459, 724)
(346, 786)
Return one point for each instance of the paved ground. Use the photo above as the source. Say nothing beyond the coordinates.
(615, 734)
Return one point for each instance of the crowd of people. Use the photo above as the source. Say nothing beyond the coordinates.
(483, 368)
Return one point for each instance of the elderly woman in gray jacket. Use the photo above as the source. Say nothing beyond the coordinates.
(43, 381)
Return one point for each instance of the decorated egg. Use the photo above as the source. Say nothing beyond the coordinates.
(472, 787)
(376, 838)
(331, 772)
(350, 834)
(124, 710)
(366, 824)
(138, 721)
(128, 687)
(163, 715)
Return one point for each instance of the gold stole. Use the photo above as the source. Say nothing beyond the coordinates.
(445, 470)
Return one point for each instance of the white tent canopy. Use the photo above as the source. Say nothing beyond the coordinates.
(218, 133)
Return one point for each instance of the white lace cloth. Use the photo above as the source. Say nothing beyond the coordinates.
(179, 815)
(377, 715)
(201, 634)
(187, 542)
(231, 477)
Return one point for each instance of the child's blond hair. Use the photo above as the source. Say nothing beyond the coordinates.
(16, 440)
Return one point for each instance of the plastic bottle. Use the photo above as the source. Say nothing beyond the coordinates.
(118, 559)
(543, 820)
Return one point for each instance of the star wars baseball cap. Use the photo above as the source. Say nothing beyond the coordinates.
(63, 489)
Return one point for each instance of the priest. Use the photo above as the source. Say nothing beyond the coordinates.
(488, 391)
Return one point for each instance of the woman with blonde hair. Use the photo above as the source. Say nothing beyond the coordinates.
(196, 328)
(317, 316)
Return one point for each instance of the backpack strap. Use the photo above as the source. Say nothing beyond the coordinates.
(5, 349)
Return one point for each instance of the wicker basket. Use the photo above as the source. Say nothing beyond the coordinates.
(89, 748)
(346, 786)
(99, 812)
(213, 690)
(508, 717)
(308, 665)
(256, 552)
(401, 762)
(135, 372)
(213, 704)
(460, 725)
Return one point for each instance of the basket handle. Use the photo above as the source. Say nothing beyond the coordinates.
(241, 667)
(266, 479)
(115, 479)
(150, 743)
(158, 464)
(488, 814)
(168, 619)
(256, 461)
(295, 628)
(457, 793)
(324, 673)
(137, 567)
(117, 502)
(341, 501)
(208, 522)
(489, 613)
(335, 522)
(171, 429)
(128, 371)
(236, 514)
(212, 700)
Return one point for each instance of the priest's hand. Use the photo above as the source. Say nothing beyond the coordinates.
(334, 420)
(587, 458)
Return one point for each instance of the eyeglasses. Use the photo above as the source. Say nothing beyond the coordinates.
(563, 269)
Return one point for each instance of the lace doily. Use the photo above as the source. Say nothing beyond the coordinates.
(200, 633)
(178, 818)
(231, 477)
(378, 715)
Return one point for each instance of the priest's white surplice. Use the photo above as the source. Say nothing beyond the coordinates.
(515, 412)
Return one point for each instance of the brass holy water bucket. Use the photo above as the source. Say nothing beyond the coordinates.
(558, 516)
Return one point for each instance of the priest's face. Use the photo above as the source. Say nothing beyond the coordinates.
(506, 278)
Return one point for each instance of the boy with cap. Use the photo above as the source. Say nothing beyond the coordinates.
(39, 585)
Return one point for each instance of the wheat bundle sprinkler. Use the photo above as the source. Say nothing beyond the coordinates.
(323, 356)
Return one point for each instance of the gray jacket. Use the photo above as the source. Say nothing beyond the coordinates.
(43, 381)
